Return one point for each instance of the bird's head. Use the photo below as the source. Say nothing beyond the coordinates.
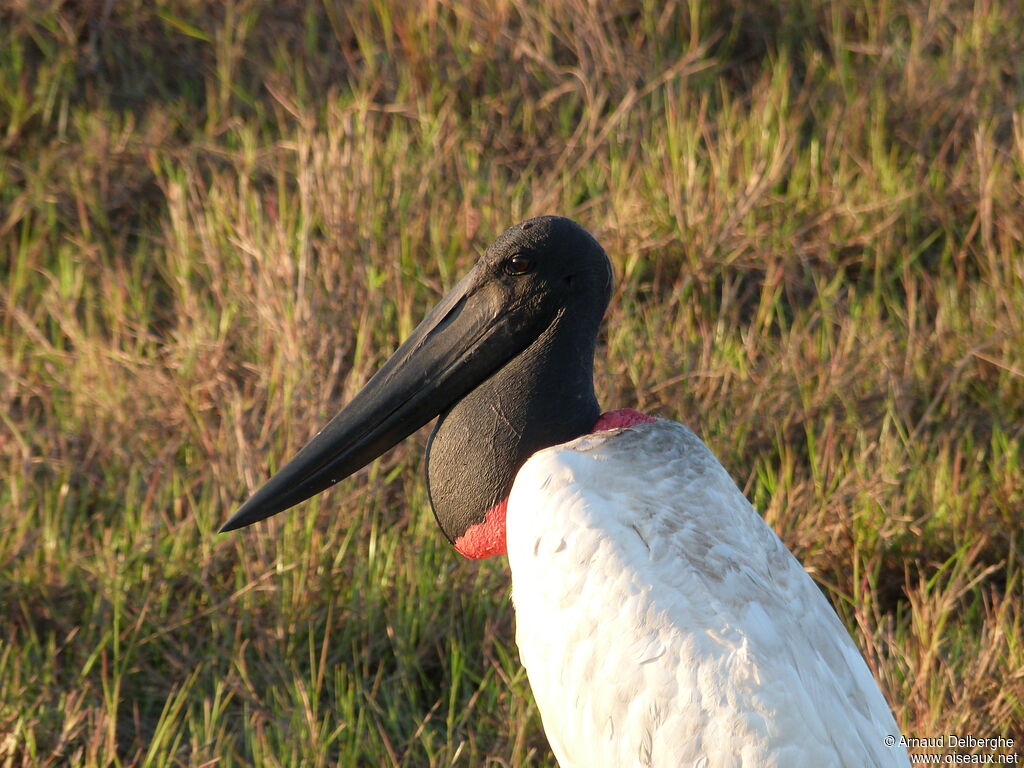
(505, 359)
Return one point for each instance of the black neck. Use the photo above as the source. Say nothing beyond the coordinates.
(543, 397)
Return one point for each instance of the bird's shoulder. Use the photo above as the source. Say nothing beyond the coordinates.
(660, 481)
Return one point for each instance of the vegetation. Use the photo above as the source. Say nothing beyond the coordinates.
(217, 219)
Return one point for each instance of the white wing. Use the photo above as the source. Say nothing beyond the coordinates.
(663, 623)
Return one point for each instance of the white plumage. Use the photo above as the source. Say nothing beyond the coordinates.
(663, 623)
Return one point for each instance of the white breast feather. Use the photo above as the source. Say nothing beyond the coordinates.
(663, 623)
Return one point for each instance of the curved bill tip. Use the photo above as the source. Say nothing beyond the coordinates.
(259, 506)
(312, 470)
(235, 522)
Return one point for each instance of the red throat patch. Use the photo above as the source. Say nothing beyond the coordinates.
(487, 538)
(624, 417)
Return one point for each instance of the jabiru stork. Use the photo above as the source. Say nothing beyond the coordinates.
(661, 621)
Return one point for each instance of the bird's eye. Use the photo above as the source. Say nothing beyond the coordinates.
(519, 264)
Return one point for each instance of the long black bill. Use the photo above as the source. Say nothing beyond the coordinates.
(463, 340)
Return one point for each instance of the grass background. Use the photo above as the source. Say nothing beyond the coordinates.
(217, 219)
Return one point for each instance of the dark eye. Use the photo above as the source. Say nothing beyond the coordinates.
(519, 264)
